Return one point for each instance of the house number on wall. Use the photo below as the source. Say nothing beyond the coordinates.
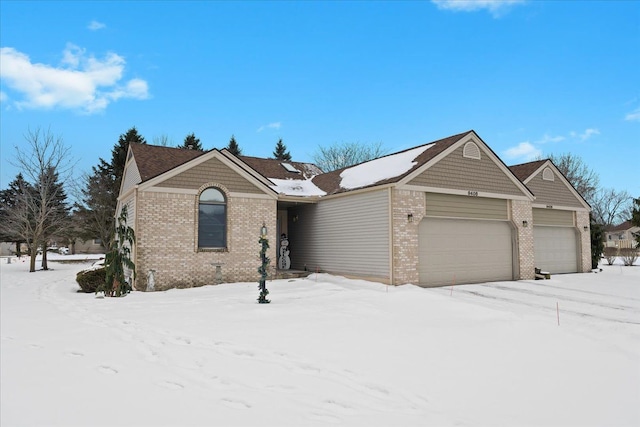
(473, 193)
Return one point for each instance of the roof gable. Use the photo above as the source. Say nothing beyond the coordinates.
(180, 168)
(469, 165)
(355, 177)
(549, 191)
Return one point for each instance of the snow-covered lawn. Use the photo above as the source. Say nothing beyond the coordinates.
(326, 351)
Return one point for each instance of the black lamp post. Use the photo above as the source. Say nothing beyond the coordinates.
(262, 299)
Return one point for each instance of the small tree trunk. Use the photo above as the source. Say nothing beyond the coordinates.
(32, 261)
(45, 266)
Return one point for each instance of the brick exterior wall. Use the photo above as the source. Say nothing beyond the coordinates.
(582, 220)
(406, 244)
(521, 211)
(405, 234)
(167, 230)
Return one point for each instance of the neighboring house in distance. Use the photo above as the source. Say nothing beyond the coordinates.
(447, 212)
(621, 236)
(91, 246)
(561, 228)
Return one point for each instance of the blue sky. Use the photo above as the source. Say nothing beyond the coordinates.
(531, 77)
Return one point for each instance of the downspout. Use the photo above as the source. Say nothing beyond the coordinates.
(135, 225)
(391, 242)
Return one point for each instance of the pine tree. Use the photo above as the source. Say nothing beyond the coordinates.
(281, 152)
(102, 189)
(635, 218)
(56, 222)
(9, 200)
(233, 147)
(96, 213)
(597, 241)
(119, 154)
(191, 143)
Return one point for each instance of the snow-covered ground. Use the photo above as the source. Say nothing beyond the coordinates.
(326, 351)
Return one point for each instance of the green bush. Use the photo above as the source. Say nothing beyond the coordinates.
(90, 280)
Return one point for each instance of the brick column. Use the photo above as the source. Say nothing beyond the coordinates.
(521, 211)
(405, 234)
(582, 221)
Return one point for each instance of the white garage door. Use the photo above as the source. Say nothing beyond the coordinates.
(464, 251)
(556, 249)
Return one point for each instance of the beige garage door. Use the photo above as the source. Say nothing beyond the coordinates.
(556, 249)
(464, 251)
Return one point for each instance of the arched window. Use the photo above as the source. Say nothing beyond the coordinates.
(212, 219)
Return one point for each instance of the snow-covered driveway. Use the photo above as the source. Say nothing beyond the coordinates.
(326, 351)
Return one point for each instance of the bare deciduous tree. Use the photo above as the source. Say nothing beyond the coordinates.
(611, 207)
(342, 155)
(163, 140)
(40, 210)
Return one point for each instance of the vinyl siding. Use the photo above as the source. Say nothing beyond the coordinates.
(211, 171)
(554, 193)
(131, 177)
(553, 217)
(461, 173)
(347, 235)
(454, 206)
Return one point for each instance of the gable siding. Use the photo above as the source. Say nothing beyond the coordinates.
(211, 170)
(461, 173)
(554, 193)
(131, 177)
(347, 235)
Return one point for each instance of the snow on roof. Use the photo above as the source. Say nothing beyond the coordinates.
(380, 169)
(296, 187)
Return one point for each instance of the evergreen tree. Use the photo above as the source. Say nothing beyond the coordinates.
(597, 241)
(96, 213)
(635, 218)
(102, 188)
(191, 143)
(56, 223)
(281, 152)
(233, 147)
(9, 199)
(119, 155)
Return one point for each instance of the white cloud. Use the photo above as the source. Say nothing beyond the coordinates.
(525, 151)
(546, 139)
(81, 82)
(95, 25)
(496, 7)
(3, 97)
(274, 125)
(633, 116)
(588, 133)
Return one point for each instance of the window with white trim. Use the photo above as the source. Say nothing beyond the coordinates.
(548, 175)
(212, 219)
